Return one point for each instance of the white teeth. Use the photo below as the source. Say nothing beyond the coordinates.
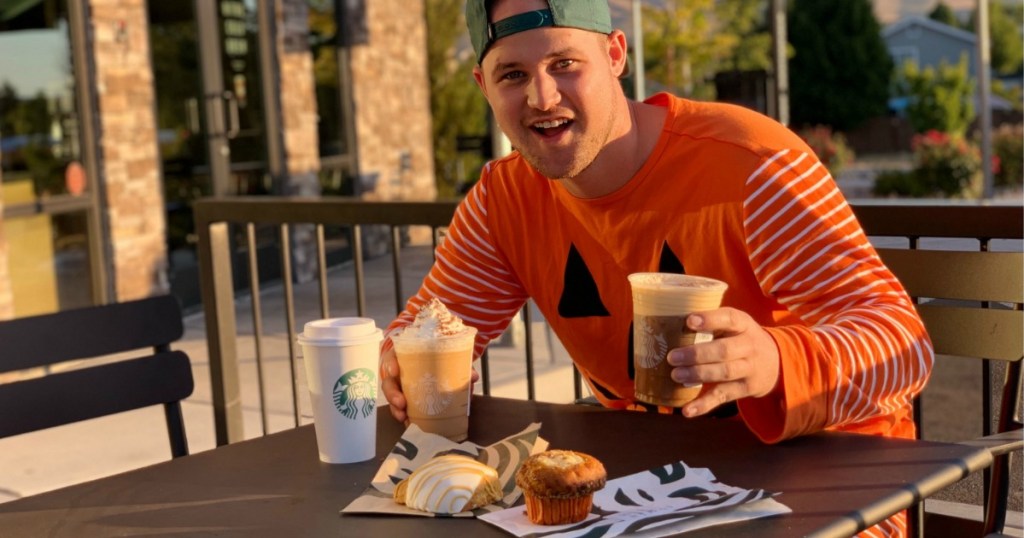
(550, 124)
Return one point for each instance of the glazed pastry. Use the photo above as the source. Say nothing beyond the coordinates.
(559, 486)
(449, 485)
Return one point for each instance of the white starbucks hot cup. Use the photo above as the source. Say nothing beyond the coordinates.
(341, 356)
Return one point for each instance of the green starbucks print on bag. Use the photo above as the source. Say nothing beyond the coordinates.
(355, 393)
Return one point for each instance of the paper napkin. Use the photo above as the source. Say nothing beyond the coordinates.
(417, 447)
(658, 502)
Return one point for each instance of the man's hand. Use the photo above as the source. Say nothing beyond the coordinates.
(742, 361)
(391, 385)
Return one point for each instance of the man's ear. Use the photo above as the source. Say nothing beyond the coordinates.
(617, 51)
(478, 76)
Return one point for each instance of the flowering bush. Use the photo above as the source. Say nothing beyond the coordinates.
(1008, 147)
(944, 164)
(831, 148)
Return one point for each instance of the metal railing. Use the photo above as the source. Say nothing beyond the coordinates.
(233, 241)
(228, 228)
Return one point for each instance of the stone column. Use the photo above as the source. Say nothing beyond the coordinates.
(391, 90)
(391, 86)
(298, 124)
(129, 163)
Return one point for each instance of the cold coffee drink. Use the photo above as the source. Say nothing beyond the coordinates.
(435, 360)
(661, 304)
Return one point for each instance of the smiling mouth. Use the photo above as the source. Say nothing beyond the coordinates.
(551, 127)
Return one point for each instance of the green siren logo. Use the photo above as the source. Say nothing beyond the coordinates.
(355, 393)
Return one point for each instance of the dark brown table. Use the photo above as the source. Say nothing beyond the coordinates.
(836, 484)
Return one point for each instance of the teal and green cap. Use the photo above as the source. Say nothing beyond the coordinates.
(592, 15)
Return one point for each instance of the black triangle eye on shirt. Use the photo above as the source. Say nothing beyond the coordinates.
(580, 296)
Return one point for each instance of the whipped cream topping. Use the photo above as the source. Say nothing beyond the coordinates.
(445, 485)
(434, 321)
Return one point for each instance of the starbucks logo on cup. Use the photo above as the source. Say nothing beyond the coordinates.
(432, 395)
(355, 393)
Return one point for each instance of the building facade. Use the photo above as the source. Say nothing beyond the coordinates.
(116, 115)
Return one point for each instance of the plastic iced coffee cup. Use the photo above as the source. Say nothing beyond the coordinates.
(435, 374)
(341, 356)
(661, 304)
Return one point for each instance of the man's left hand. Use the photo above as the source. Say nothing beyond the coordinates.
(742, 361)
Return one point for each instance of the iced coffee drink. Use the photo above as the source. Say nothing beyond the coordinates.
(661, 304)
(435, 358)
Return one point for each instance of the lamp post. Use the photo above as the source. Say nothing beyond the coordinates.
(985, 91)
(639, 86)
(779, 60)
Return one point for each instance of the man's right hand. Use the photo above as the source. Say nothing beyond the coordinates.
(391, 384)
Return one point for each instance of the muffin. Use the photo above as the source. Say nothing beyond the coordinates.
(559, 486)
(448, 485)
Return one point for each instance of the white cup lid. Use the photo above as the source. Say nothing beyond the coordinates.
(343, 331)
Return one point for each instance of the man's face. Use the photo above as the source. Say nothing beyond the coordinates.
(552, 91)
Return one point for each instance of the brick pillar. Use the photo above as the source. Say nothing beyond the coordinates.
(391, 86)
(129, 166)
(298, 124)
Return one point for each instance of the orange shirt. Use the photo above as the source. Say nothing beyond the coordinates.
(728, 194)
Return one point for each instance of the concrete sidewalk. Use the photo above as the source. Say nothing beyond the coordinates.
(42, 461)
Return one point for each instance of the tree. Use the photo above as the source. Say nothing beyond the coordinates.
(457, 106)
(840, 71)
(944, 14)
(687, 41)
(1005, 36)
(941, 99)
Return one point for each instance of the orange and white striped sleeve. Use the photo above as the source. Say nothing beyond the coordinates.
(469, 275)
(862, 353)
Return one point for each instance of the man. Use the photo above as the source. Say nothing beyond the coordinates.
(815, 332)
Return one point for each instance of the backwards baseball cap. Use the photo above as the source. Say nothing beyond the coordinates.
(590, 15)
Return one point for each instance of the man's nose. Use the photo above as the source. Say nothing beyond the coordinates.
(543, 92)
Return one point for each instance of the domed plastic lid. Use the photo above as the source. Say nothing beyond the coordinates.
(340, 331)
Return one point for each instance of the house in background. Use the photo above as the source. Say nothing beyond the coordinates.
(928, 43)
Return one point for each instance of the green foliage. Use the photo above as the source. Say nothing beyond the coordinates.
(840, 71)
(940, 99)
(687, 41)
(945, 164)
(457, 106)
(898, 183)
(1011, 92)
(831, 148)
(944, 14)
(1004, 35)
(1008, 147)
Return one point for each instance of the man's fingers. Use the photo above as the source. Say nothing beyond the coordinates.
(712, 397)
(713, 372)
(719, 320)
(391, 385)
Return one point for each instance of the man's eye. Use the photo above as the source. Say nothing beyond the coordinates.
(512, 75)
(563, 64)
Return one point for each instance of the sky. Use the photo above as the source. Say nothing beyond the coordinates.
(33, 60)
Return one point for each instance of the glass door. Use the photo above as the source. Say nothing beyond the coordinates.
(210, 113)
